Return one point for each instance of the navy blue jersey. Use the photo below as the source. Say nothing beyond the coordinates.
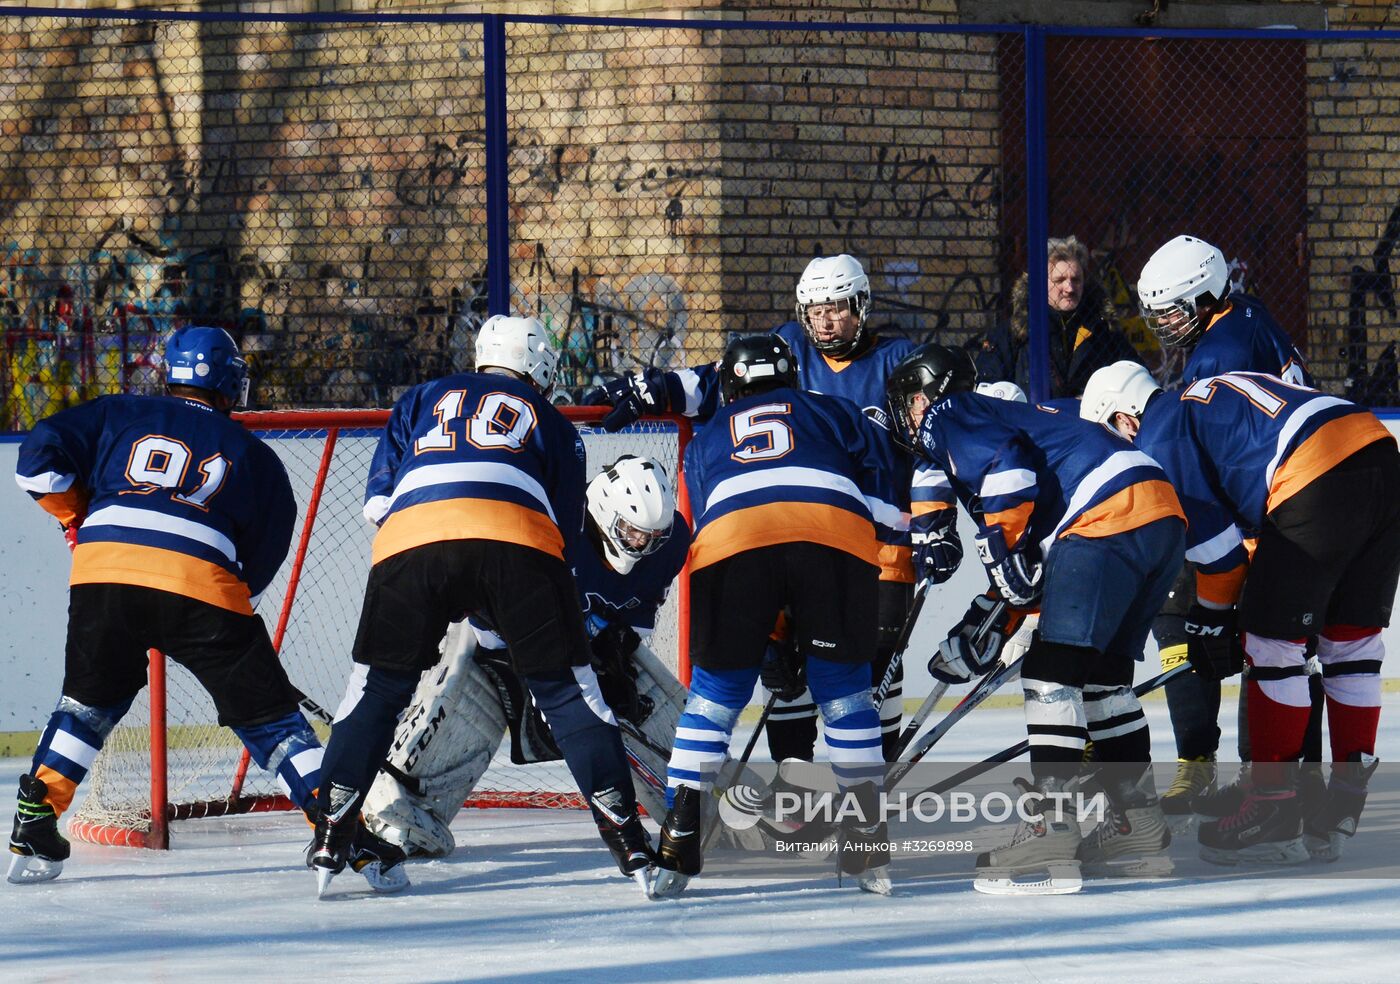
(1245, 338)
(859, 381)
(1237, 445)
(1037, 471)
(476, 456)
(787, 466)
(608, 597)
(171, 494)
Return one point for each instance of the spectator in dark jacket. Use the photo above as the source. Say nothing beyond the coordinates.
(1084, 330)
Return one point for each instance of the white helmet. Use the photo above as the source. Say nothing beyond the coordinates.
(632, 505)
(834, 278)
(1180, 276)
(1004, 390)
(521, 345)
(1124, 387)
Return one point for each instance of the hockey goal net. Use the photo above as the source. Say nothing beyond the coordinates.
(169, 759)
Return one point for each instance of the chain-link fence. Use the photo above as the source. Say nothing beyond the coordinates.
(322, 188)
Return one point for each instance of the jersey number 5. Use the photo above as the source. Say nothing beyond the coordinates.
(771, 438)
(161, 463)
(500, 421)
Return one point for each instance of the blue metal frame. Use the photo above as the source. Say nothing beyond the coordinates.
(497, 167)
(1037, 216)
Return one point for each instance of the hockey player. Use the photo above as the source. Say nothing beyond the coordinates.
(1187, 302)
(1089, 528)
(477, 488)
(837, 355)
(179, 518)
(786, 486)
(1314, 477)
(634, 545)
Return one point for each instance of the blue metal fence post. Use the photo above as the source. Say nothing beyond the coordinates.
(497, 155)
(1037, 214)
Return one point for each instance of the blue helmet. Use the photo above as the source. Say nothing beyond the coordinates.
(207, 358)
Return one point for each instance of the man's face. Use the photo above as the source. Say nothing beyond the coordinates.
(833, 322)
(1066, 285)
(918, 406)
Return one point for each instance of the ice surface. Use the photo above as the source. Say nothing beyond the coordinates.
(532, 896)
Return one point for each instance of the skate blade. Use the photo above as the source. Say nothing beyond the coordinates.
(323, 881)
(25, 869)
(1155, 867)
(1322, 849)
(668, 884)
(1288, 853)
(1181, 824)
(643, 878)
(876, 881)
(1060, 878)
(385, 881)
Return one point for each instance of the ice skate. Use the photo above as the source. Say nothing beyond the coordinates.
(679, 858)
(1267, 829)
(38, 849)
(335, 834)
(1194, 777)
(864, 851)
(1216, 801)
(1046, 846)
(1128, 841)
(381, 863)
(1326, 832)
(628, 842)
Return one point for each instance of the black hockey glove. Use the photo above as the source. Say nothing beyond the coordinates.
(617, 679)
(784, 670)
(961, 654)
(937, 548)
(1017, 574)
(631, 396)
(1213, 642)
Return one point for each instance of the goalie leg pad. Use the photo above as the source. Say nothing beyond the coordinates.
(441, 749)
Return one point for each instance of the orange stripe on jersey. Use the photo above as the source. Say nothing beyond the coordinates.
(1012, 521)
(1325, 448)
(896, 563)
(65, 506)
(467, 519)
(61, 788)
(1128, 509)
(1221, 589)
(104, 562)
(924, 508)
(785, 522)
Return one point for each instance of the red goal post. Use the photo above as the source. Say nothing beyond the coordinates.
(169, 760)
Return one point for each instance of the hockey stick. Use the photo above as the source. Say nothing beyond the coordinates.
(988, 685)
(1021, 747)
(901, 644)
(743, 761)
(941, 687)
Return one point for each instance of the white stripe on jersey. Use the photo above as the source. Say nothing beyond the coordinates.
(45, 483)
(1295, 421)
(791, 475)
(492, 472)
(931, 478)
(1116, 464)
(1216, 547)
(1006, 482)
(690, 385)
(148, 519)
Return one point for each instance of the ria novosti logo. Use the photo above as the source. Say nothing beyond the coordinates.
(743, 806)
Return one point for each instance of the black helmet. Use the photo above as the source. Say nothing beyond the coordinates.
(933, 370)
(754, 363)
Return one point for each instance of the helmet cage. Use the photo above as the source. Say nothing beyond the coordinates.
(1178, 322)
(859, 306)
